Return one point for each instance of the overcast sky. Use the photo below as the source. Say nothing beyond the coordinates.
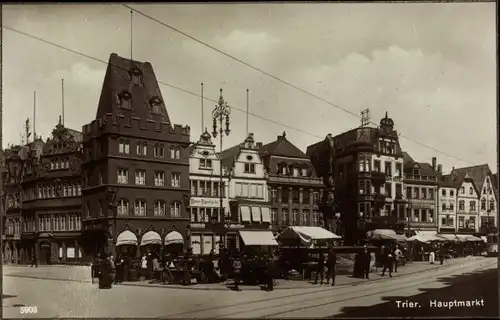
(431, 66)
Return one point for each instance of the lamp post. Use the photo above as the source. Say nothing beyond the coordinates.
(220, 113)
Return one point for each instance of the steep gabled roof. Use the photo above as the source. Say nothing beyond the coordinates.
(117, 82)
(283, 148)
(425, 168)
(477, 173)
(228, 156)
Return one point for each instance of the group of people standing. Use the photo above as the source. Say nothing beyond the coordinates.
(391, 258)
(330, 264)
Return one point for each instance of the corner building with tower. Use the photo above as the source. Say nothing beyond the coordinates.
(135, 171)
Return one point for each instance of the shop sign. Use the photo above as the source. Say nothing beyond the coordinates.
(204, 202)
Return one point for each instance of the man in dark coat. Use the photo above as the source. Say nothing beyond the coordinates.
(119, 265)
(331, 264)
(388, 261)
(270, 273)
(365, 262)
(320, 271)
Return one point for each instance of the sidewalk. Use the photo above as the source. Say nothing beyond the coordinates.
(341, 280)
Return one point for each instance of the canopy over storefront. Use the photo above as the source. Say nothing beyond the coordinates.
(468, 238)
(174, 237)
(449, 237)
(426, 237)
(385, 234)
(258, 238)
(126, 238)
(309, 237)
(150, 237)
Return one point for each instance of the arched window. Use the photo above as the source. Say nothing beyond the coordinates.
(126, 100)
(122, 208)
(144, 149)
(172, 152)
(138, 148)
(471, 190)
(175, 209)
(483, 204)
(140, 208)
(177, 152)
(159, 208)
(135, 77)
(492, 205)
(461, 205)
(472, 206)
(155, 105)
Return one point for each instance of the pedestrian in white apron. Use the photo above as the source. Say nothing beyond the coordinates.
(432, 257)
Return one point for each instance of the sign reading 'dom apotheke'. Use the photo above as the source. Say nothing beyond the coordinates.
(204, 202)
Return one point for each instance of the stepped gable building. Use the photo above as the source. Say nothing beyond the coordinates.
(467, 201)
(52, 197)
(366, 165)
(420, 180)
(483, 180)
(294, 189)
(204, 175)
(135, 165)
(248, 196)
(12, 167)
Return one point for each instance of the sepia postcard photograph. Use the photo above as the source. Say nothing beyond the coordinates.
(249, 160)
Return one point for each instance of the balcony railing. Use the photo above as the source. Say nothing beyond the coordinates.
(419, 178)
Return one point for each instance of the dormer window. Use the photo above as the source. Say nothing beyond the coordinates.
(416, 172)
(126, 100)
(155, 105)
(135, 77)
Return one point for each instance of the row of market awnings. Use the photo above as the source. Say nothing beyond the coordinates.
(309, 237)
(255, 214)
(151, 237)
(421, 236)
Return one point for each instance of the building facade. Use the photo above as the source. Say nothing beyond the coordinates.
(467, 202)
(447, 206)
(205, 180)
(366, 167)
(52, 197)
(420, 181)
(487, 205)
(135, 168)
(12, 166)
(293, 187)
(248, 196)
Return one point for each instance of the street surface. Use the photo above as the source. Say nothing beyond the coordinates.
(63, 291)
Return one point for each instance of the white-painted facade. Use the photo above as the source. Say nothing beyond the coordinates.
(447, 208)
(467, 206)
(487, 204)
(248, 176)
(393, 168)
(204, 175)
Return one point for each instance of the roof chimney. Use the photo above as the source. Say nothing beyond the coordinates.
(434, 162)
(259, 145)
(440, 169)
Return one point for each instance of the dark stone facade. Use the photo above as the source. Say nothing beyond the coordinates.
(135, 163)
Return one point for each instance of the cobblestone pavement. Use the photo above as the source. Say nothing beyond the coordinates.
(64, 291)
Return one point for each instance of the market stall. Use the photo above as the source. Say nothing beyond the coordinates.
(126, 247)
(307, 237)
(174, 243)
(300, 247)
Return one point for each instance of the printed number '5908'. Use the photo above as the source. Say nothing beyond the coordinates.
(26, 310)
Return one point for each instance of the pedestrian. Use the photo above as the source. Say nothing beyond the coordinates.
(331, 264)
(397, 258)
(119, 265)
(105, 278)
(34, 261)
(387, 261)
(144, 266)
(432, 256)
(365, 262)
(320, 272)
(270, 273)
(150, 268)
(441, 255)
(237, 272)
